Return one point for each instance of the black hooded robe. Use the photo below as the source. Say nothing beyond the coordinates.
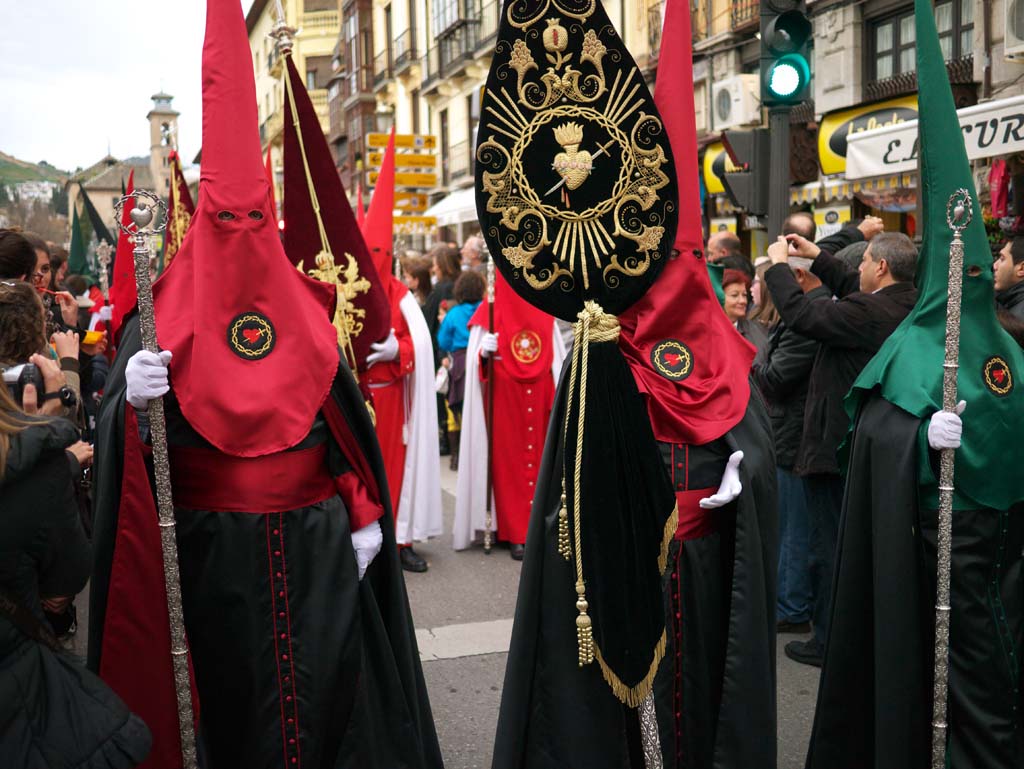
(875, 698)
(556, 715)
(358, 698)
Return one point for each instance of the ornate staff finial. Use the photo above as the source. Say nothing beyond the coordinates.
(103, 251)
(282, 33)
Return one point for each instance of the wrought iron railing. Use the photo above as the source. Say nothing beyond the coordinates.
(460, 161)
(381, 68)
(487, 30)
(655, 14)
(745, 13)
(457, 47)
(404, 50)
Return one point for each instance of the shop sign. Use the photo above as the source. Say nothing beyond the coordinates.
(716, 163)
(989, 130)
(722, 224)
(837, 128)
(831, 219)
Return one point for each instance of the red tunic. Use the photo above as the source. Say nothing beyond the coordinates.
(521, 413)
(387, 384)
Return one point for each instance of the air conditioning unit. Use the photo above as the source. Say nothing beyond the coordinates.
(1013, 42)
(736, 101)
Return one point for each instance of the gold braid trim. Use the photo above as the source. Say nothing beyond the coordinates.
(666, 540)
(633, 695)
(593, 325)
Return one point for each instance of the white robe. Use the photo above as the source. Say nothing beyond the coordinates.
(419, 503)
(471, 485)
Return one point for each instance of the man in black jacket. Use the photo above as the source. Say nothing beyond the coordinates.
(871, 304)
(1008, 271)
(782, 374)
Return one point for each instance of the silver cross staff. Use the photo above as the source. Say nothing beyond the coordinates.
(145, 211)
(959, 212)
(103, 257)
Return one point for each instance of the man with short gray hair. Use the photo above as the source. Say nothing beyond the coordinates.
(871, 303)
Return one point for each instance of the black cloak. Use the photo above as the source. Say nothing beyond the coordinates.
(875, 698)
(362, 689)
(556, 715)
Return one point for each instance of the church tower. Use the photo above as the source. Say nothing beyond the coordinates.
(163, 137)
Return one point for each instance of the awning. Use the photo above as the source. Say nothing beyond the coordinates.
(991, 129)
(839, 189)
(456, 208)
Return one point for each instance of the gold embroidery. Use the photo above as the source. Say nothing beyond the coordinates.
(348, 319)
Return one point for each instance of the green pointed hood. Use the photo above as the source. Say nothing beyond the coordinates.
(908, 368)
(78, 263)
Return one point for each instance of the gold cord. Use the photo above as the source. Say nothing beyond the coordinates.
(593, 325)
(347, 345)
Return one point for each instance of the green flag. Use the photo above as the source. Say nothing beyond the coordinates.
(78, 264)
(908, 368)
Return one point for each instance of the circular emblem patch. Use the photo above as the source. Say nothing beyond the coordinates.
(672, 359)
(251, 336)
(526, 346)
(997, 376)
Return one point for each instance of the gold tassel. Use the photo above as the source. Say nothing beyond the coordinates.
(564, 548)
(584, 630)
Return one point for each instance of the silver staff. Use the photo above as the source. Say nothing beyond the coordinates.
(959, 211)
(103, 258)
(145, 208)
(489, 519)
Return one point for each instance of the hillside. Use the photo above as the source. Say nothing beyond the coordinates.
(13, 171)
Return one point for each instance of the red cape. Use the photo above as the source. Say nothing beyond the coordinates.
(688, 360)
(524, 333)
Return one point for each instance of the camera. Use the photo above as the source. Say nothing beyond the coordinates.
(16, 377)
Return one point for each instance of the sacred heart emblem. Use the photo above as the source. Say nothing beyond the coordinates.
(672, 359)
(251, 336)
(997, 376)
(573, 165)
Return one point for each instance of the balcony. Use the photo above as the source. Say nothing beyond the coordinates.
(404, 51)
(382, 71)
(460, 162)
(357, 85)
(961, 78)
(320, 23)
(654, 26)
(456, 49)
(452, 17)
(487, 29)
(745, 13)
(319, 98)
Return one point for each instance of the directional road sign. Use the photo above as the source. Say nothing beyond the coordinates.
(403, 141)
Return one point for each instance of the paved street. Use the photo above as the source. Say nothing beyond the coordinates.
(463, 609)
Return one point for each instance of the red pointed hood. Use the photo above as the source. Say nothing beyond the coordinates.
(255, 351)
(302, 232)
(378, 227)
(524, 333)
(268, 169)
(123, 295)
(686, 357)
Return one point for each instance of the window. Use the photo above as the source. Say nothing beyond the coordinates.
(893, 41)
(311, 80)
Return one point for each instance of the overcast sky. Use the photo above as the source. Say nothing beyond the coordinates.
(77, 75)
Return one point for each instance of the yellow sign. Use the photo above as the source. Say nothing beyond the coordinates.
(406, 179)
(837, 127)
(403, 141)
(722, 224)
(415, 222)
(402, 160)
(716, 163)
(410, 201)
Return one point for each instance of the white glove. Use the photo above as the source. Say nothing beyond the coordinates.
(383, 351)
(146, 376)
(366, 543)
(946, 427)
(106, 313)
(489, 345)
(730, 487)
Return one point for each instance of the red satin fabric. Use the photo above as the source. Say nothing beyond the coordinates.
(682, 305)
(368, 501)
(207, 479)
(230, 266)
(516, 320)
(694, 521)
(136, 656)
(123, 294)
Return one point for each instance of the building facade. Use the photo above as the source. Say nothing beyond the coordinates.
(420, 66)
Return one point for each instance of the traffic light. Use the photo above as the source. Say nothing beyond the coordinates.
(747, 185)
(786, 36)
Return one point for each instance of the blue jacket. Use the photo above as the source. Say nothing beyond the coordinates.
(453, 335)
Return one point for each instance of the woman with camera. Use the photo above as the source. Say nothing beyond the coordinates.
(52, 711)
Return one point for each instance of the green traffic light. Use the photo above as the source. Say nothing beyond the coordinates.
(788, 76)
